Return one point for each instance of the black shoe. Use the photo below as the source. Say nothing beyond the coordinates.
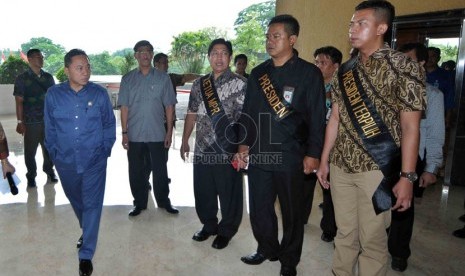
(399, 264)
(327, 237)
(287, 270)
(462, 218)
(256, 259)
(135, 211)
(79, 242)
(459, 233)
(220, 242)
(170, 209)
(202, 235)
(31, 183)
(53, 178)
(85, 267)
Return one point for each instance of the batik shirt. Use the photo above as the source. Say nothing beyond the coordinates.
(394, 84)
(32, 89)
(231, 92)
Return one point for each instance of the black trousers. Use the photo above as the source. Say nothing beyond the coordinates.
(138, 153)
(328, 221)
(400, 231)
(35, 135)
(309, 191)
(264, 188)
(213, 182)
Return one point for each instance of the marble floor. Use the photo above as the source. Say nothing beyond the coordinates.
(38, 229)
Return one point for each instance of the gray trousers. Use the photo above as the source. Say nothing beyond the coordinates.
(34, 136)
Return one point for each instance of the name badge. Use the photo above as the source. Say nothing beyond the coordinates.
(288, 93)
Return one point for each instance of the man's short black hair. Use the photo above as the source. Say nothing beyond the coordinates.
(33, 51)
(143, 43)
(291, 25)
(421, 52)
(384, 10)
(435, 50)
(157, 57)
(240, 56)
(449, 65)
(334, 54)
(71, 54)
(222, 41)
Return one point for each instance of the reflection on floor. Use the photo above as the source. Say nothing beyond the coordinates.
(39, 230)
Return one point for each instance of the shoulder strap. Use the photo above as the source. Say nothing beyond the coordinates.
(225, 130)
(375, 135)
(287, 117)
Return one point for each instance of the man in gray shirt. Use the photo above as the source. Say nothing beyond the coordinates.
(432, 135)
(146, 96)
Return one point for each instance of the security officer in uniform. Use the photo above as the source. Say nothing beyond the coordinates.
(283, 123)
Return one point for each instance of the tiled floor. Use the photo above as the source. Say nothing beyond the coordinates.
(38, 230)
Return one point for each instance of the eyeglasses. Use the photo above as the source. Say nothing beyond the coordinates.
(145, 53)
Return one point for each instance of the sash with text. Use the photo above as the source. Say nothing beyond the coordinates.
(375, 135)
(225, 130)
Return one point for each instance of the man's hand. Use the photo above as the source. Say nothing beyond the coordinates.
(184, 150)
(403, 192)
(21, 128)
(427, 179)
(125, 142)
(241, 157)
(322, 174)
(7, 167)
(168, 137)
(310, 164)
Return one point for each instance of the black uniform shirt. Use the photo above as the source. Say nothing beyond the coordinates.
(272, 146)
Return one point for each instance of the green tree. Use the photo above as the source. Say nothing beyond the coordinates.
(102, 64)
(11, 68)
(52, 52)
(189, 49)
(123, 52)
(250, 26)
(250, 40)
(448, 52)
(61, 76)
(261, 12)
(53, 63)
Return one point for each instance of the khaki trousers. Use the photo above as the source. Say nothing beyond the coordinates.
(361, 234)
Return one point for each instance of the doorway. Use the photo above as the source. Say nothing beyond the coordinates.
(424, 28)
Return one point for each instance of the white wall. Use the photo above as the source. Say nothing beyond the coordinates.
(7, 100)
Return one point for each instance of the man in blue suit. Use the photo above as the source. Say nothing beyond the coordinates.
(79, 134)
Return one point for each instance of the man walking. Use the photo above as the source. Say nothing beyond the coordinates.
(432, 134)
(80, 133)
(29, 91)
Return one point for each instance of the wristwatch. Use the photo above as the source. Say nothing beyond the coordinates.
(411, 176)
